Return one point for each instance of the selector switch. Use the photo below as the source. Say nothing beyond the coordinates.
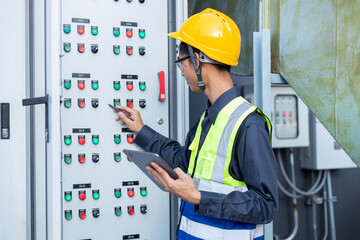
(67, 158)
(95, 157)
(142, 51)
(142, 103)
(143, 209)
(82, 195)
(82, 213)
(82, 158)
(94, 48)
(117, 192)
(117, 157)
(94, 102)
(95, 212)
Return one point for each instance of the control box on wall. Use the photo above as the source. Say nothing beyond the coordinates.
(289, 117)
(324, 152)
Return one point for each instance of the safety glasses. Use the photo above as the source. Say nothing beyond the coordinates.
(178, 62)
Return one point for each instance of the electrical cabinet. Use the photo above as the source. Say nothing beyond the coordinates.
(289, 117)
(324, 152)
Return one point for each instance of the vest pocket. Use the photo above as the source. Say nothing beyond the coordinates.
(204, 167)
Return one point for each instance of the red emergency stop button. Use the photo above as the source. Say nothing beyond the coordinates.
(129, 86)
(130, 140)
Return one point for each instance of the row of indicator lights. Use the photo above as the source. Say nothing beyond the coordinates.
(95, 157)
(96, 212)
(95, 49)
(95, 31)
(284, 115)
(95, 102)
(95, 139)
(96, 193)
(95, 85)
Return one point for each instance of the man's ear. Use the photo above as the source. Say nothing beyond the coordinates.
(197, 57)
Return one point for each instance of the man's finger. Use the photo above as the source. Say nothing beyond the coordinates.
(161, 171)
(157, 176)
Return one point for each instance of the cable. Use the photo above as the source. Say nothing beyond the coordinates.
(314, 189)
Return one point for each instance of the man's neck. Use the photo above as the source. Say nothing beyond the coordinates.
(218, 83)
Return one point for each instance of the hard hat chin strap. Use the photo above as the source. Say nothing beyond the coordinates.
(198, 74)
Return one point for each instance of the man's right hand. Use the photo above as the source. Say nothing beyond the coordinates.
(135, 125)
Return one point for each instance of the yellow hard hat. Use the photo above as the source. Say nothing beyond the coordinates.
(213, 33)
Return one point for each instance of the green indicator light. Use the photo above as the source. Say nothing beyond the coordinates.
(94, 31)
(67, 141)
(117, 140)
(117, 104)
(117, 86)
(118, 159)
(67, 29)
(118, 212)
(68, 197)
(68, 216)
(95, 86)
(117, 51)
(67, 48)
(116, 33)
(95, 140)
(118, 194)
(142, 34)
(143, 192)
(67, 105)
(67, 85)
(96, 195)
(278, 114)
(142, 87)
(68, 160)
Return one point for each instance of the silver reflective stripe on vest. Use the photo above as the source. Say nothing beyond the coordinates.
(207, 232)
(218, 171)
(204, 185)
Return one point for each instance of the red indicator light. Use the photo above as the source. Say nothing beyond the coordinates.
(130, 51)
(131, 211)
(81, 30)
(81, 141)
(81, 85)
(82, 160)
(130, 104)
(81, 49)
(82, 104)
(130, 139)
(130, 86)
(82, 215)
(284, 114)
(82, 196)
(129, 33)
(131, 193)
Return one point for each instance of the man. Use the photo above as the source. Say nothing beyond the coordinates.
(230, 189)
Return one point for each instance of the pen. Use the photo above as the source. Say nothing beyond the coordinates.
(118, 110)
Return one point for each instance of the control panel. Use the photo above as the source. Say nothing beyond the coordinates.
(113, 52)
(289, 118)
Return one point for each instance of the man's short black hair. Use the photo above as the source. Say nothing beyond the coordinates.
(183, 49)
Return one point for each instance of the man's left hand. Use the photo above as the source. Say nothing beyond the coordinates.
(183, 187)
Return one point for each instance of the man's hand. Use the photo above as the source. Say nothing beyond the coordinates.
(183, 187)
(135, 125)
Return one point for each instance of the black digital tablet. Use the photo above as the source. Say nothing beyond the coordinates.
(143, 159)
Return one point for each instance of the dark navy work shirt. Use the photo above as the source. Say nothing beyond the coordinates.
(253, 162)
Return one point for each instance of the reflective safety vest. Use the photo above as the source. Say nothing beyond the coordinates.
(212, 175)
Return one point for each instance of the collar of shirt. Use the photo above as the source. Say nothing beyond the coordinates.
(220, 103)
